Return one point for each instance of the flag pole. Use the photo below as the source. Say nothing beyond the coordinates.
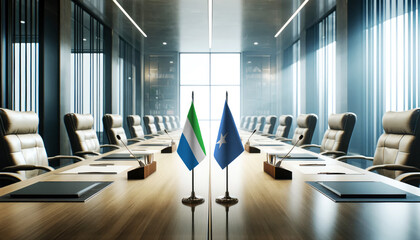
(227, 199)
(193, 199)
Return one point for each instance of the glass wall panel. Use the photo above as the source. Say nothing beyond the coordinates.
(222, 73)
(129, 71)
(392, 61)
(87, 66)
(23, 55)
(325, 71)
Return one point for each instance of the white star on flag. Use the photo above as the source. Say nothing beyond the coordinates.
(222, 139)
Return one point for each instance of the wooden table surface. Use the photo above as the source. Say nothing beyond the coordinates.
(152, 208)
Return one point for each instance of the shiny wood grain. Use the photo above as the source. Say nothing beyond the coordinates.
(152, 208)
(291, 209)
(127, 209)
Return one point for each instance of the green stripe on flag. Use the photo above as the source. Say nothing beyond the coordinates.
(192, 117)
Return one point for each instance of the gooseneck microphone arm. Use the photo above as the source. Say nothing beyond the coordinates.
(142, 164)
(166, 131)
(287, 155)
(251, 135)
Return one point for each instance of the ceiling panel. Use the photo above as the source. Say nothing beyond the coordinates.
(183, 24)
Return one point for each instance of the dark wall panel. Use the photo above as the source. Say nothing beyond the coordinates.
(49, 109)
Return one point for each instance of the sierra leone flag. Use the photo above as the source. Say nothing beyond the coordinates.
(191, 147)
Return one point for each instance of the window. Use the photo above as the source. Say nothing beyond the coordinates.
(291, 83)
(129, 69)
(210, 76)
(325, 70)
(87, 66)
(392, 60)
(23, 55)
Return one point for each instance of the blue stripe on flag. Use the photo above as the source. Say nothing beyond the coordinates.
(186, 154)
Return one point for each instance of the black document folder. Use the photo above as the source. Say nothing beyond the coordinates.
(358, 189)
(54, 190)
(74, 191)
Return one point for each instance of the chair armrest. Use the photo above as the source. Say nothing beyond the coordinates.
(59, 157)
(310, 145)
(83, 153)
(17, 168)
(394, 167)
(336, 153)
(284, 139)
(343, 158)
(110, 146)
(407, 177)
(10, 177)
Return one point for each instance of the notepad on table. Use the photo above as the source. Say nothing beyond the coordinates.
(88, 169)
(297, 156)
(367, 189)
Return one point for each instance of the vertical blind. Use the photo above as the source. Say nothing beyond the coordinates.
(291, 79)
(23, 55)
(392, 60)
(87, 66)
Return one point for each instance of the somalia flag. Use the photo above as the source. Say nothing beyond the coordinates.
(191, 147)
(229, 145)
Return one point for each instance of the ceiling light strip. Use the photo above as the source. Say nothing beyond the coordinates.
(291, 18)
(210, 22)
(129, 18)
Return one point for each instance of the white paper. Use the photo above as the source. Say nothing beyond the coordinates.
(326, 169)
(97, 169)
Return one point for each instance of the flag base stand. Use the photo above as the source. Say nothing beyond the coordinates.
(193, 200)
(226, 200)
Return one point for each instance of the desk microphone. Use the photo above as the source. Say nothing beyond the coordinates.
(251, 135)
(166, 131)
(134, 156)
(287, 155)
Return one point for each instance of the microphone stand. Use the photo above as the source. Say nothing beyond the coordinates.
(144, 170)
(277, 172)
(142, 164)
(277, 164)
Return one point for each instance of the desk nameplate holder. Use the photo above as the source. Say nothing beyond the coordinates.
(251, 149)
(169, 149)
(276, 172)
(143, 172)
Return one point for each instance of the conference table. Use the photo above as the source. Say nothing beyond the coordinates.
(152, 209)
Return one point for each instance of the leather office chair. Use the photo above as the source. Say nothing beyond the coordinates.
(173, 122)
(134, 126)
(270, 123)
(167, 123)
(113, 126)
(149, 125)
(22, 151)
(306, 124)
(285, 123)
(337, 138)
(178, 124)
(160, 126)
(253, 123)
(398, 148)
(260, 123)
(247, 122)
(242, 122)
(82, 136)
